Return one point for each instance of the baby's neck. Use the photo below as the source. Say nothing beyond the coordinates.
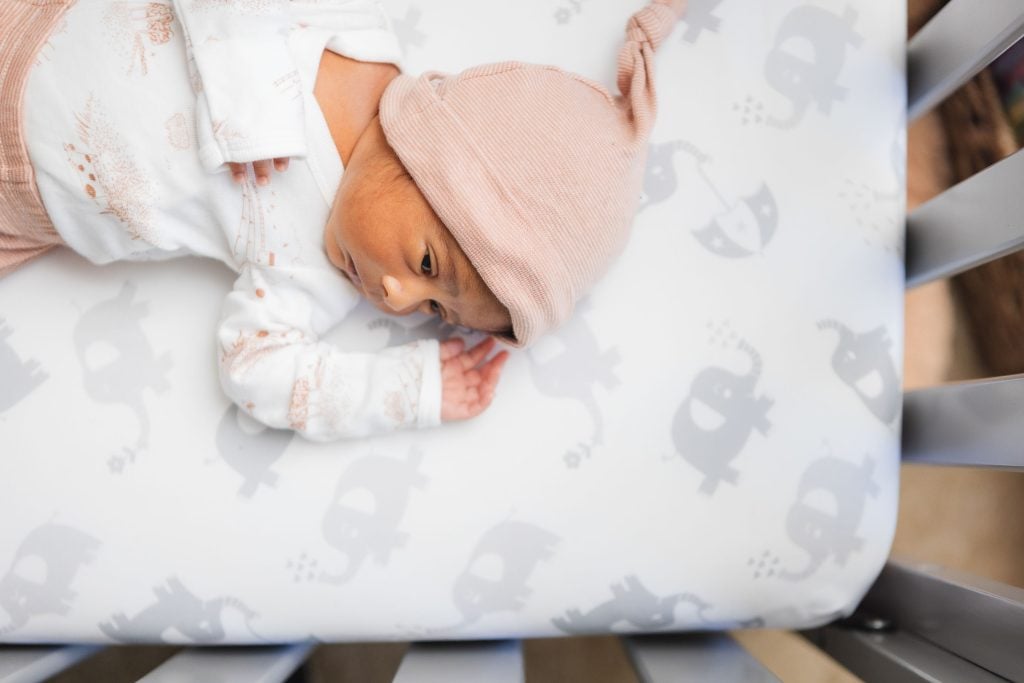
(349, 93)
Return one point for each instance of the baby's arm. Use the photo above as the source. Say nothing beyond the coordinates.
(273, 365)
(249, 97)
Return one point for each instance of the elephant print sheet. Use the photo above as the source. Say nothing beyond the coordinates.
(711, 442)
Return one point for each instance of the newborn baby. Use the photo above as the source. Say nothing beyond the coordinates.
(492, 198)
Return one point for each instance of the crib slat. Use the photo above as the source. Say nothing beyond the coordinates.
(30, 664)
(680, 658)
(975, 618)
(978, 220)
(958, 42)
(979, 423)
(231, 664)
(494, 661)
(895, 656)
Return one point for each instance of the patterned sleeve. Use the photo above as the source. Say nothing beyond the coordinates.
(249, 93)
(273, 365)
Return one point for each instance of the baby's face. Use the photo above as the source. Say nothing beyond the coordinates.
(386, 239)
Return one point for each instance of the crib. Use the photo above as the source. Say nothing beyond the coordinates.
(917, 622)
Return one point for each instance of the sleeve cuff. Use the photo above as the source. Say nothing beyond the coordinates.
(430, 390)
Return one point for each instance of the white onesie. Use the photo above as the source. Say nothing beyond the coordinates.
(131, 112)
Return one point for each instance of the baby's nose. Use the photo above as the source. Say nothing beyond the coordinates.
(397, 297)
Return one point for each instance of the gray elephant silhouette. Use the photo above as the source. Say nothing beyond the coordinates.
(20, 378)
(176, 608)
(26, 592)
(251, 454)
(660, 178)
(358, 534)
(864, 363)
(574, 372)
(405, 29)
(700, 17)
(631, 604)
(116, 324)
(731, 398)
(803, 82)
(432, 328)
(829, 533)
(726, 234)
(515, 548)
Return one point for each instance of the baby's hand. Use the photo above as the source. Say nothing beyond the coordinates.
(260, 168)
(465, 388)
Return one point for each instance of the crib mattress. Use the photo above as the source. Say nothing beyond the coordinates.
(711, 442)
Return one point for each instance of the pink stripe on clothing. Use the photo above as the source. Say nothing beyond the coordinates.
(25, 229)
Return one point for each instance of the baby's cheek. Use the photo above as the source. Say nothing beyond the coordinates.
(333, 253)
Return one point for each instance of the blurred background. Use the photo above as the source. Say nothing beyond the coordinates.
(967, 327)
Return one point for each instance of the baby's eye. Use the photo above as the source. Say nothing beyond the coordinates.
(434, 306)
(426, 266)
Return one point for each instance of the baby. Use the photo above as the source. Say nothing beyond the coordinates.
(493, 198)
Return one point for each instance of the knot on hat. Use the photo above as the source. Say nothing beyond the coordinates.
(655, 22)
(536, 172)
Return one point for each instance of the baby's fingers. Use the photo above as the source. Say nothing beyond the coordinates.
(262, 170)
(237, 172)
(491, 371)
(451, 348)
(470, 359)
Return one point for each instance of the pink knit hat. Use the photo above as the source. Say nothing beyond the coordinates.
(535, 171)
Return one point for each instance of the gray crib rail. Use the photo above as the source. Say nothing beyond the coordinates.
(979, 620)
(923, 622)
(694, 657)
(961, 40)
(231, 665)
(892, 656)
(28, 664)
(978, 423)
(666, 658)
(972, 223)
(499, 661)
(918, 622)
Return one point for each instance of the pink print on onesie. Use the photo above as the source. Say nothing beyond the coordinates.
(402, 403)
(108, 173)
(253, 226)
(138, 28)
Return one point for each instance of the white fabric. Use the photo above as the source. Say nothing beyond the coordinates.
(113, 129)
(712, 441)
(250, 101)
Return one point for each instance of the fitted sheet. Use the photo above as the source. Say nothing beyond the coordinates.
(712, 441)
